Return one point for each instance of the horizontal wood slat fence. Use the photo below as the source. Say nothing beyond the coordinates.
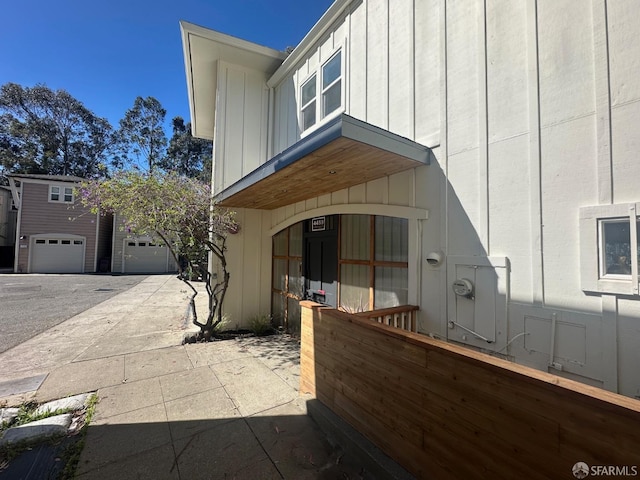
(403, 317)
(447, 412)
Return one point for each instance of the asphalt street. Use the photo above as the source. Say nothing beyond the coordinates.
(31, 304)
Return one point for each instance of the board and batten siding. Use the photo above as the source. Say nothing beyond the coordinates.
(541, 112)
(391, 77)
(240, 144)
(532, 110)
(39, 216)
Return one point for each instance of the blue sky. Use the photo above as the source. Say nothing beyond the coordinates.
(105, 54)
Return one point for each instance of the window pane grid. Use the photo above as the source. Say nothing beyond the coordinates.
(321, 96)
(354, 237)
(331, 99)
(331, 70)
(308, 92)
(379, 278)
(286, 282)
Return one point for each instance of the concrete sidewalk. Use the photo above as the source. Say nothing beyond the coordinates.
(224, 410)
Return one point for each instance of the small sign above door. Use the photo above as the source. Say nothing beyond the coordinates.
(318, 224)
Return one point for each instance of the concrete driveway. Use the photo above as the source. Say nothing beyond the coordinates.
(31, 304)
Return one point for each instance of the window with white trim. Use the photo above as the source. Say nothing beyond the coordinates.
(321, 93)
(610, 249)
(58, 193)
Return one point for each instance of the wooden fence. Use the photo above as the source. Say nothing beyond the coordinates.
(447, 412)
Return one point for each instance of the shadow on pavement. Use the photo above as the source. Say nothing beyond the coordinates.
(258, 447)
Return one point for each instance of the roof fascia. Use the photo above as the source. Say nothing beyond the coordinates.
(189, 29)
(317, 31)
(52, 181)
(14, 192)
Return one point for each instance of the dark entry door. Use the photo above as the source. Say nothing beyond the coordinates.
(321, 266)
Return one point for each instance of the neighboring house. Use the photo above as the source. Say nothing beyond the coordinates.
(8, 220)
(477, 159)
(138, 254)
(54, 233)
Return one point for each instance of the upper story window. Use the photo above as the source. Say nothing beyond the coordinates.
(332, 84)
(321, 93)
(59, 193)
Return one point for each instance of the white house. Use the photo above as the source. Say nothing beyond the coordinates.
(477, 159)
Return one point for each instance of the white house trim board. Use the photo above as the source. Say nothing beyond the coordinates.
(409, 213)
(202, 49)
(317, 31)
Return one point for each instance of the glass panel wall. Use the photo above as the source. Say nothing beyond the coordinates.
(354, 237)
(392, 239)
(354, 288)
(368, 283)
(287, 282)
(392, 287)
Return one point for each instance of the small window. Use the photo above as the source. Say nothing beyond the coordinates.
(53, 242)
(66, 242)
(308, 102)
(152, 244)
(59, 193)
(77, 242)
(321, 93)
(610, 248)
(142, 244)
(131, 244)
(41, 241)
(615, 246)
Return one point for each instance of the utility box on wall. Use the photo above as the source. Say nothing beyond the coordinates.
(477, 301)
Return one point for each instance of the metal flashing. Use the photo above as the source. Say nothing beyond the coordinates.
(342, 153)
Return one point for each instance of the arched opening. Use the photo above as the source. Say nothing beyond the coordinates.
(354, 262)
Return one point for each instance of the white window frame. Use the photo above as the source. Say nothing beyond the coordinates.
(321, 117)
(308, 105)
(324, 90)
(62, 194)
(592, 258)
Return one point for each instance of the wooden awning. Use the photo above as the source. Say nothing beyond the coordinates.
(343, 153)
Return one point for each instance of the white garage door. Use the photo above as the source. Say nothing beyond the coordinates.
(57, 255)
(144, 256)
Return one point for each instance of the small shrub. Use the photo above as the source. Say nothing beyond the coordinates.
(261, 325)
(223, 325)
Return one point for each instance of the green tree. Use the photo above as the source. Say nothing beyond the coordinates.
(186, 154)
(177, 211)
(47, 131)
(141, 138)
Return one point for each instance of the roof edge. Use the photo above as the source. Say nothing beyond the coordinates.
(342, 126)
(230, 40)
(319, 29)
(189, 30)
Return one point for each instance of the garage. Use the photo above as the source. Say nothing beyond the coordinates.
(57, 254)
(143, 255)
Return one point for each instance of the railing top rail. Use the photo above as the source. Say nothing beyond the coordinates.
(388, 311)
